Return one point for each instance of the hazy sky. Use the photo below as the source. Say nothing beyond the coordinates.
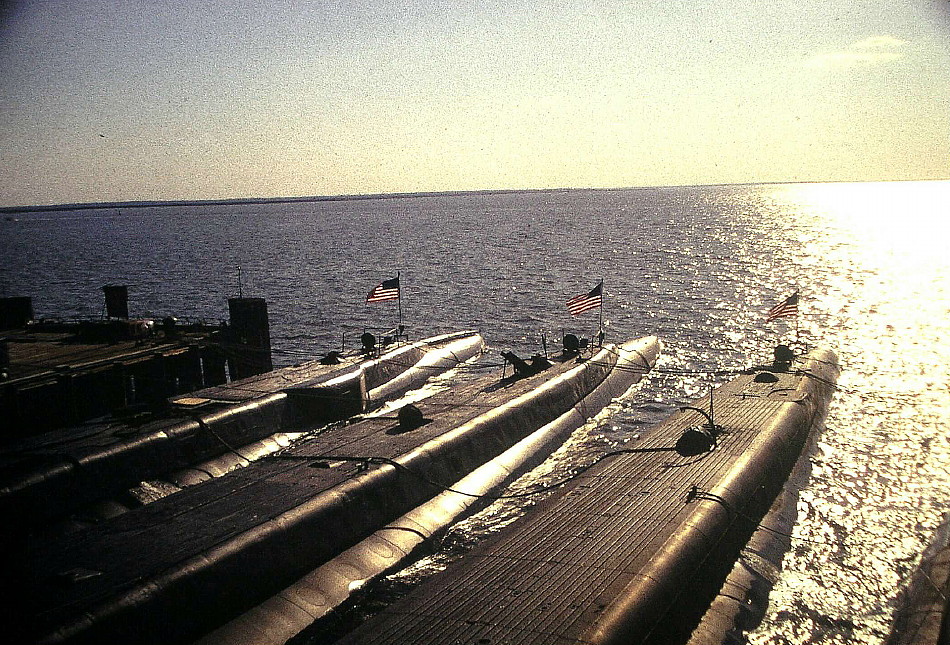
(111, 100)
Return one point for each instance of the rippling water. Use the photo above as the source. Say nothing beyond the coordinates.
(695, 266)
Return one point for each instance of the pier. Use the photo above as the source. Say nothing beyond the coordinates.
(58, 374)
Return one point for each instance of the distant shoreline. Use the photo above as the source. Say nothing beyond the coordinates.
(237, 201)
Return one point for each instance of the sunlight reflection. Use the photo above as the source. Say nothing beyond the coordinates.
(900, 218)
(873, 263)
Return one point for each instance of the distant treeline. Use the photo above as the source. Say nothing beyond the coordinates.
(263, 200)
(445, 193)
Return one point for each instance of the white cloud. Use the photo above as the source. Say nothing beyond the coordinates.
(888, 43)
(869, 51)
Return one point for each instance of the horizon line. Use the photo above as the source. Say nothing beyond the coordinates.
(233, 201)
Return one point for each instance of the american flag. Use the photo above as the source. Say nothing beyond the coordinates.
(784, 309)
(587, 301)
(385, 290)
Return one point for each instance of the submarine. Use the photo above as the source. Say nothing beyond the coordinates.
(65, 473)
(291, 535)
(636, 545)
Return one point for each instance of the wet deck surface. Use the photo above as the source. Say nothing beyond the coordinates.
(63, 375)
(99, 434)
(42, 456)
(924, 616)
(548, 578)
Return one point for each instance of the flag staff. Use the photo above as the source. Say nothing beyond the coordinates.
(399, 301)
(798, 341)
(786, 309)
(600, 331)
(593, 299)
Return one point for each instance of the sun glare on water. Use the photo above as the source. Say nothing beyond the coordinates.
(877, 273)
(907, 220)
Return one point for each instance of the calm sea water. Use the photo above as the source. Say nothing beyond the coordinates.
(696, 266)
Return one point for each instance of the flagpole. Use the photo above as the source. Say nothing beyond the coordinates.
(399, 299)
(600, 331)
(798, 309)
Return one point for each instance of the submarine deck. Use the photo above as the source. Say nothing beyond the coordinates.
(269, 522)
(46, 476)
(620, 554)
